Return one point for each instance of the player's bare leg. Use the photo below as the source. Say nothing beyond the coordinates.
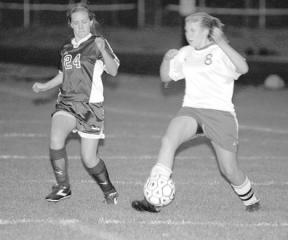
(240, 183)
(180, 130)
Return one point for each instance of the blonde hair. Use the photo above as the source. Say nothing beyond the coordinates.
(206, 21)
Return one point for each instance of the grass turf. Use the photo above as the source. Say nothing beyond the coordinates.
(138, 111)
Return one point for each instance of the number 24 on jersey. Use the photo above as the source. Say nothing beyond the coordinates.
(69, 62)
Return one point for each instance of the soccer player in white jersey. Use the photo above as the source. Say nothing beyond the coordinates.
(209, 66)
(79, 105)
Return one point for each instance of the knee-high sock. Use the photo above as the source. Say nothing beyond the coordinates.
(59, 164)
(100, 174)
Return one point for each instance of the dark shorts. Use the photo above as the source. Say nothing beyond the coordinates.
(89, 117)
(220, 127)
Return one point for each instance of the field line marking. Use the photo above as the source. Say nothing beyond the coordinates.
(39, 221)
(24, 121)
(141, 183)
(167, 116)
(192, 223)
(95, 231)
(264, 129)
(73, 224)
(143, 157)
(108, 136)
(26, 135)
(76, 224)
(42, 135)
(243, 127)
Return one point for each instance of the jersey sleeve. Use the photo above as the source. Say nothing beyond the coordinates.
(59, 63)
(176, 66)
(111, 53)
(226, 67)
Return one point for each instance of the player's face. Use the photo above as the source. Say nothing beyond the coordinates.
(196, 35)
(80, 24)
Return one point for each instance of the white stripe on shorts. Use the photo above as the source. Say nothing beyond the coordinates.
(91, 136)
(81, 134)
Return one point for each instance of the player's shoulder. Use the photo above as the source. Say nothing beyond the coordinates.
(214, 48)
(183, 51)
(217, 52)
(66, 45)
(185, 48)
(91, 39)
(94, 36)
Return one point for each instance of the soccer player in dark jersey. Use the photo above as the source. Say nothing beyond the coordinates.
(79, 105)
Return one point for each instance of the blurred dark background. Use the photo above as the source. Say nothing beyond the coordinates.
(140, 31)
(156, 12)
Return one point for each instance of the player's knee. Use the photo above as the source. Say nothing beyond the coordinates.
(89, 159)
(56, 142)
(86, 156)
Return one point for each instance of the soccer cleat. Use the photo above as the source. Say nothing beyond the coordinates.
(253, 207)
(144, 206)
(111, 197)
(58, 193)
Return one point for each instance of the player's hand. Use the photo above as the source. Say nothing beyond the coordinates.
(218, 35)
(170, 54)
(100, 43)
(39, 87)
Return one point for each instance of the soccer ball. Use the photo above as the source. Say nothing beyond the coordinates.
(159, 190)
(274, 82)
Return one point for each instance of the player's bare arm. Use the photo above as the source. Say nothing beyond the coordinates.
(165, 65)
(110, 63)
(238, 61)
(54, 82)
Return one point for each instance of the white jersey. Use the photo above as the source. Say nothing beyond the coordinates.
(209, 77)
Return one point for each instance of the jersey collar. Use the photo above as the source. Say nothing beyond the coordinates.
(77, 44)
(205, 47)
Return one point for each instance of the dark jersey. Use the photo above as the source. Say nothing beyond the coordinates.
(82, 67)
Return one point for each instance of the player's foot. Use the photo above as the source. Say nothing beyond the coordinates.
(111, 197)
(143, 205)
(58, 193)
(253, 207)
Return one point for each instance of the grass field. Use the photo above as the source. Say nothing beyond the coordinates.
(138, 111)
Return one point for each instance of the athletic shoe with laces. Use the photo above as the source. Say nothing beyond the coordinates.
(111, 197)
(144, 206)
(58, 193)
(253, 207)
